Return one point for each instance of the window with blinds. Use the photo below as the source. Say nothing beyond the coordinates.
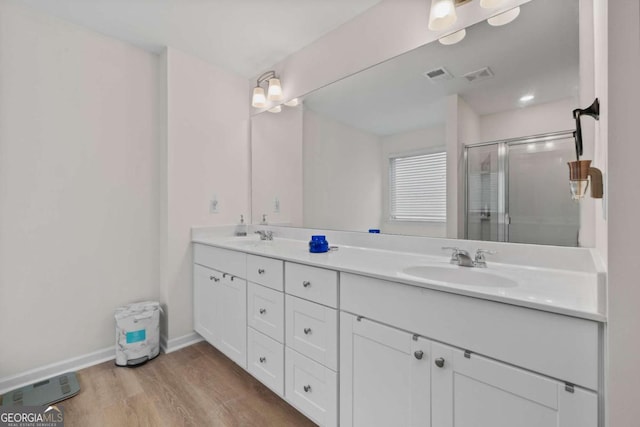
(418, 187)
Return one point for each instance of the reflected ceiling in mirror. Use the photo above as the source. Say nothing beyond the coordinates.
(498, 83)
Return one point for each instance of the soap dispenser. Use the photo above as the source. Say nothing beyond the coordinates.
(241, 229)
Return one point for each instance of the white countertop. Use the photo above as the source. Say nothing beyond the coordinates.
(571, 293)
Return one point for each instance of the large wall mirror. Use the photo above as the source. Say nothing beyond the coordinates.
(467, 140)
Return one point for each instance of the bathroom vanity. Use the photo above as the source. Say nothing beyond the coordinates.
(365, 337)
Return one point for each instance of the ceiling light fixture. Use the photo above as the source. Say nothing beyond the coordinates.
(453, 38)
(274, 90)
(527, 98)
(504, 18)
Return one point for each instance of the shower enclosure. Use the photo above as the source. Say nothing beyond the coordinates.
(517, 191)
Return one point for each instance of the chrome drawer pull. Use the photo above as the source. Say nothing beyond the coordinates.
(306, 284)
(307, 388)
(263, 310)
(307, 331)
(214, 278)
(261, 271)
(440, 362)
(419, 354)
(263, 359)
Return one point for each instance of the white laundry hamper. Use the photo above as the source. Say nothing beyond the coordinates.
(137, 333)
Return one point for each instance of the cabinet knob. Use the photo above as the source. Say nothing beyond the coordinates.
(418, 354)
(306, 283)
(261, 271)
(307, 388)
(307, 331)
(440, 362)
(214, 278)
(263, 359)
(263, 310)
(224, 275)
(232, 277)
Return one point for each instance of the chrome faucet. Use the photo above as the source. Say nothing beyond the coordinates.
(463, 259)
(459, 257)
(265, 234)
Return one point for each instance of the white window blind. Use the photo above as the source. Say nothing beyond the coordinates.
(418, 187)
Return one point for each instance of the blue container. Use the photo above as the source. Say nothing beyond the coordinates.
(318, 244)
(374, 231)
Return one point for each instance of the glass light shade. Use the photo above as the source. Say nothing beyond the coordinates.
(578, 188)
(258, 100)
(276, 109)
(491, 4)
(292, 103)
(504, 18)
(275, 90)
(442, 15)
(453, 38)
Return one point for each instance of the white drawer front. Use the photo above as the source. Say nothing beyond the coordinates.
(312, 329)
(265, 311)
(312, 388)
(231, 262)
(266, 360)
(265, 271)
(312, 283)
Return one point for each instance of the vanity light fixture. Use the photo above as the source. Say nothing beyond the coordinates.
(580, 171)
(453, 38)
(442, 15)
(276, 109)
(274, 90)
(292, 102)
(504, 18)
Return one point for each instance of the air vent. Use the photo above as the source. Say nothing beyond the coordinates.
(438, 74)
(476, 76)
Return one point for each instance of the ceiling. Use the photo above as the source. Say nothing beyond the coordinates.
(538, 53)
(243, 36)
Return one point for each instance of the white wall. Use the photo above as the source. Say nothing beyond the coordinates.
(621, 104)
(276, 167)
(206, 153)
(418, 141)
(78, 187)
(342, 175)
(535, 120)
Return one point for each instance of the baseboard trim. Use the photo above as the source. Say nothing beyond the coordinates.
(84, 361)
(48, 371)
(169, 346)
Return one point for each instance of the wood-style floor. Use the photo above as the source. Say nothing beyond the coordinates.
(195, 386)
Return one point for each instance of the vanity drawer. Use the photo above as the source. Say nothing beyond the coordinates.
(231, 262)
(265, 310)
(312, 329)
(266, 360)
(312, 388)
(315, 284)
(265, 271)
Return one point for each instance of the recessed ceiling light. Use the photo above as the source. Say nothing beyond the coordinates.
(527, 98)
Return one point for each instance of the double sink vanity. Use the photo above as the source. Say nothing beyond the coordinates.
(376, 334)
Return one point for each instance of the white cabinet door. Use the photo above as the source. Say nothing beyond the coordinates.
(233, 309)
(206, 303)
(473, 391)
(384, 375)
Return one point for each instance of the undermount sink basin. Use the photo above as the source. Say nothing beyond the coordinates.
(453, 274)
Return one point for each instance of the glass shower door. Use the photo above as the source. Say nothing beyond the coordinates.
(484, 207)
(538, 204)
